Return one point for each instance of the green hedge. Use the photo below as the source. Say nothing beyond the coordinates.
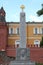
(39, 64)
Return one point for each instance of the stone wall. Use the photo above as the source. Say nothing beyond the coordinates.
(3, 36)
(36, 54)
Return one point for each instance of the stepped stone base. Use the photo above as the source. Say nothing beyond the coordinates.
(22, 63)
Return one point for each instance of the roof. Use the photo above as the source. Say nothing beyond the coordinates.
(26, 22)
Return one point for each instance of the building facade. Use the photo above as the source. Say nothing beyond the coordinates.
(34, 33)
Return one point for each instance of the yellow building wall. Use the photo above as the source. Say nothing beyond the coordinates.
(11, 41)
(30, 36)
(12, 38)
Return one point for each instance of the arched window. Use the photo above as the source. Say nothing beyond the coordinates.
(17, 43)
(37, 42)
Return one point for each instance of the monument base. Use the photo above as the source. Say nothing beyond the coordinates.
(22, 63)
(23, 54)
(22, 57)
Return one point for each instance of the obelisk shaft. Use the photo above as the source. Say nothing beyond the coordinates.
(22, 30)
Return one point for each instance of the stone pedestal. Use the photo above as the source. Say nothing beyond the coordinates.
(23, 54)
(22, 57)
(22, 63)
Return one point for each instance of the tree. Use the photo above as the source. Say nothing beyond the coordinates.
(40, 12)
(41, 42)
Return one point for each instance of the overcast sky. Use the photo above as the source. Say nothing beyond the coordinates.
(12, 9)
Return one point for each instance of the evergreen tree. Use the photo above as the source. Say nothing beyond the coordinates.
(40, 12)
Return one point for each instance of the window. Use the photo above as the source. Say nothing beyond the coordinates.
(36, 30)
(17, 31)
(37, 42)
(41, 30)
(11, 31)
(17, 43)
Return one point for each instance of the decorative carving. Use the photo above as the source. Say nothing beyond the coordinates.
(22, 7)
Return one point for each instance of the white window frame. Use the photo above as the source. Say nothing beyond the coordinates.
(38, 42)
(17, 43)
(11, 32)
(17, 31)
(37, 30)
(41, 30)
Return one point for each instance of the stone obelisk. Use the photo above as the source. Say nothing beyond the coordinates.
(22, 50)
(23, 53)
(22, 28)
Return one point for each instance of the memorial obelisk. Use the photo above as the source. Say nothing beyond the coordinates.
(22, 28)
(22, 53)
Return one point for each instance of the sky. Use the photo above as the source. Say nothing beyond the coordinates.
(12, 9)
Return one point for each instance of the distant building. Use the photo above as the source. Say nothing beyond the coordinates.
(34, 33)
